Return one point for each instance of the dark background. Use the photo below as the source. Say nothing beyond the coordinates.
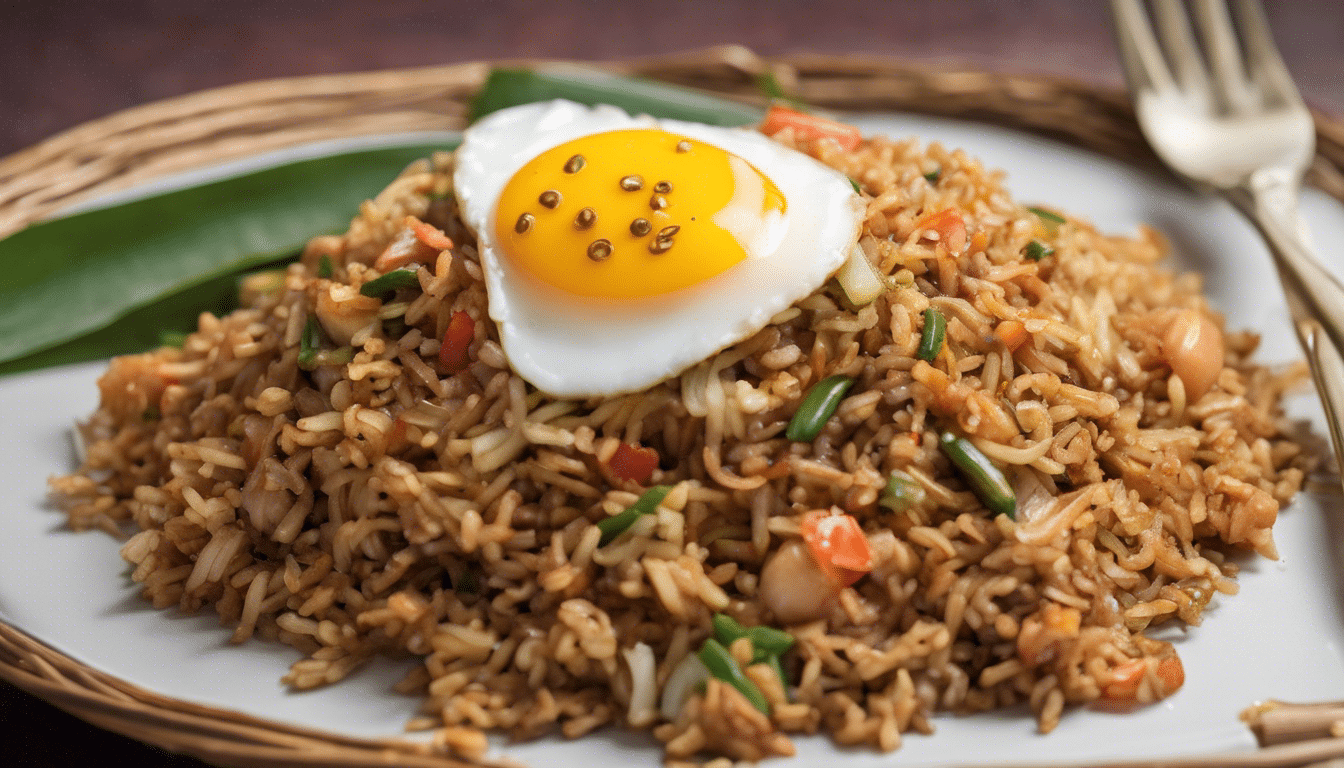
(62, 63)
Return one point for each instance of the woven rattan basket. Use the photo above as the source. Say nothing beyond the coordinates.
(206, 128)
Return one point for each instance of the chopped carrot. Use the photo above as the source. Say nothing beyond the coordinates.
(633, 462)
(949, 225)
(979, 242)
(1062, 620)
(1125, 680)
(455, 351)
(429, 234)
(838, 544)
(1012, 333)
(1171, 672)
(807, 126)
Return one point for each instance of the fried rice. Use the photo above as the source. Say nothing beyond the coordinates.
(386, 505)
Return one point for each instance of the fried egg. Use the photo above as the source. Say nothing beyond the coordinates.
(619, 251)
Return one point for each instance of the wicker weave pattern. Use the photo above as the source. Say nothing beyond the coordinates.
(214, 126)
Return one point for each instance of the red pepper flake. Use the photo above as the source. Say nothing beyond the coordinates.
(633, 462)
(455, 351)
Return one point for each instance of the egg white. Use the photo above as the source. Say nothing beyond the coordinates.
(584, 348)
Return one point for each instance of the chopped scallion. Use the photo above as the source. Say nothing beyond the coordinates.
(1036, 250)
(858, 190)
(310, 343)
(986, 480)
(933, 176)
(817, 408)
(324, 268)
(931, 339)
(1049, 219)
(391, 282)
(902, 492)
(646, 504)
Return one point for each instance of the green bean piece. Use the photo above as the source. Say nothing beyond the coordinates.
(723, 666)
(1036, 250)
(773, 661)
(986, 480)
(902, 492)
(646, 504)
(769, 641)
(817, 408)
(931, 340)
(727, 630)
(765, 641)
(389, 283)
(324, 268)
(310, 343)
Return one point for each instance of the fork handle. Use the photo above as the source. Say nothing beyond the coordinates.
(1315, 296)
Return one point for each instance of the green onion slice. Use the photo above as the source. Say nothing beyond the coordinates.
(931, 340)
(390, 283)
(310, 343)
(1049, 219)
(817, 408)
(986, 480)
(933, 176)
(1036, 250)
(902, 492)
(723, 666)
(646, 504)
(324, 268)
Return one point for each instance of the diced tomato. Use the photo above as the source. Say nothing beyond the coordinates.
(839, 546)
(949, 225)
(807, 126)
(633, 462)
(429, 234)
(455, 351)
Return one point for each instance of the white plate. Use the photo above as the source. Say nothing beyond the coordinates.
(1282, 637)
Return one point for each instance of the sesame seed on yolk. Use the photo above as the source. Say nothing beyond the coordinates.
(698, 208)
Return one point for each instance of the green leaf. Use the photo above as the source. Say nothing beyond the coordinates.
(143, 328)
(511, 87)
(72, 276)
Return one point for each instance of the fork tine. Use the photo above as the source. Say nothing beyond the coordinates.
(1224, 52)
(1145, 68)
(1173, 26)
(1262, 55)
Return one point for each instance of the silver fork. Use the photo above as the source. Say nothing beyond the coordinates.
(1226, 115)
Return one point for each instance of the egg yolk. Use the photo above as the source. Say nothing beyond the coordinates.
(635, 213)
